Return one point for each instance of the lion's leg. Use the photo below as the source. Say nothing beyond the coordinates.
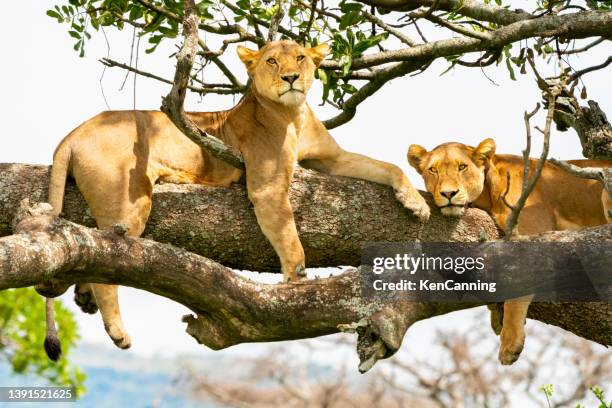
(268, 175)
(106, 296)
(275, 218)
(512, 336)
(497, 317)
(114, 197)
(348, 164)
(606, 201)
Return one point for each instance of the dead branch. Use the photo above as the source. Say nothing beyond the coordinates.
(602, 174)
(589, 122)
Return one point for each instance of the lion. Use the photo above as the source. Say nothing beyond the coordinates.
(117, 156)
(459, 176)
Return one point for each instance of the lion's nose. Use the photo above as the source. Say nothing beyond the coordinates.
(291, 78)
(449, 194)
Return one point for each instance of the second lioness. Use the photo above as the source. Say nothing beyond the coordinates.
(117, 157)
(458, 175)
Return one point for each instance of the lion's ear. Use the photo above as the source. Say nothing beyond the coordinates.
(485, 150)
(247, 56)
(416, 154)
(318, 53)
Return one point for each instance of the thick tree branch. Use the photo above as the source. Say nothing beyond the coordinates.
(470, 8)
(230, 309)
(335, 217)
(377, 80)
(575, 25)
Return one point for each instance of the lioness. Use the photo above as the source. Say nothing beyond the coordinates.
(117, 157)
(458, 175)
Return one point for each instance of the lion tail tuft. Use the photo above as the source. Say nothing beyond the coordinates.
(53, 347)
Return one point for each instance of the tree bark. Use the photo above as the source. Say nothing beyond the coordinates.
(335, 216)
(591, 124)
(230, 309)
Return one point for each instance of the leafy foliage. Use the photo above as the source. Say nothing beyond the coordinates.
(352, 28)
(22, 333)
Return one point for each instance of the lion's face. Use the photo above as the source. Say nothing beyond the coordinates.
(453, 172)
(283, 71)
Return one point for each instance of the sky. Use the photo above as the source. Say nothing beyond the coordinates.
(47, 90)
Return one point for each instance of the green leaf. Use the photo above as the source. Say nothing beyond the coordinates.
(510, 69)
(55, 14)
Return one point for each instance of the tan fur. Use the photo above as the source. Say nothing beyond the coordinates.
(117, 157)
(477, 176)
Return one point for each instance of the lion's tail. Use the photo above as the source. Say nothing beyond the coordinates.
(53, 347)
(57, 185)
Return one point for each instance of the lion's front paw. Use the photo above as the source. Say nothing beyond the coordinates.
(296, 276)
(412, 200)
(511, 346)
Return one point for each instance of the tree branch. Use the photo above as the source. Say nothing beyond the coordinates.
(469, 8)
(590, 123)
(602, 174)
(223, 89)
(230, 309)
(172, 104)
(575, 25)
(380, 78)
(335, 217)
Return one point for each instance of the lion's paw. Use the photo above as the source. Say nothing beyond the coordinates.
(85, 300)
(119, 337)
(511, 347)
(413, 201)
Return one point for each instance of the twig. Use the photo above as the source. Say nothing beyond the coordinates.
(458, 29)
(396, 33)
(276, 20)
(304, 34)
(172, 104)
(585, 48)
(529, 184)
(581, 72)
(602, 174)
(427, 13)
(223, 89)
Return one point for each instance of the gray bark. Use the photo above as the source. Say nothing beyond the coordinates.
(335, 216)
(589, 122)
(230, 309)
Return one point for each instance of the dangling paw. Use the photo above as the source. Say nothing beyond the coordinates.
(84, 299)
(512, 343)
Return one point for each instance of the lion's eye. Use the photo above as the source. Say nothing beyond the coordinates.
(271, 61)
(462, 167)
(300, 58)
(433, 170)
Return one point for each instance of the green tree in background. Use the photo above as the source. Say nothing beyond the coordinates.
(22, 333)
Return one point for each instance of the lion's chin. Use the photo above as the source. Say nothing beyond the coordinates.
(452, 211)
(292, 98)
